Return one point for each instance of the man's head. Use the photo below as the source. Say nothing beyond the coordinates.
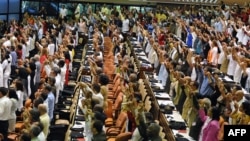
(3, 91)
(35, 131)
(42, 109)
(96, 88)
(238, 95)
(46, 89)
(97, 127)
(153, 130)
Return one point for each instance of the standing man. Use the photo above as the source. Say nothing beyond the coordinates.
(50, 101)
(5, 109)
(63, 13)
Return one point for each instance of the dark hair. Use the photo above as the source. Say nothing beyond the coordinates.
(25, 137)
(156, 129)
(195, 84)
(100, 116)
(47, 87)
(209, 69)
(40, 125)
(246, 107)
(19, 85)
(12, 93)
(238, 87)
(149, 116)
(96, 87)
(38, 101)
(35, 115)
(35, 130)
(52, 80)
(56, 70)
(98, 125)
(98, 108)
(61, 63)
(3, 90)
(103, 79)
(195, 103)
(215, 113)
(67, 55)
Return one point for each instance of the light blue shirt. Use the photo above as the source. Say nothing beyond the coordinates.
(51, 104)
(206, 89)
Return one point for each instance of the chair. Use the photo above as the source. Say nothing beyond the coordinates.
(115, 110)
(113, 79)
(147, 103)
(115, 94)
(57, 132)
(125, 136)
(12, 136)
(114, 87)
(109, 111)
(66, 116)
(118, 126)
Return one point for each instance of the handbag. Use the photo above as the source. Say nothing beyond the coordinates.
(76, 134)
(177, 125)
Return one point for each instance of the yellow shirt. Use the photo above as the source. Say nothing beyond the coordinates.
(240, 118)
(45, 120)
(162, 17)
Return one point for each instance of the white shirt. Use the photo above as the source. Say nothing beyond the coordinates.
(40, 33)
(63, 12)
(5, 109)
(148, 47)
(13, 108)
(240, 34)
(1, 75)
(58, 86)
(98, 97)
(27, 48)
(163, 74)
(63, 74)
(194, 38)
(20, 100)
(125, 25)
(6, 68)
(246, 38)
(47, 69)
(153, 58)
(231, 65)
(23, 51)
(248, 78)
(237, 73)
(214, 55)
(7, 43)
(41, 137)
(51, 49)
(222, 54)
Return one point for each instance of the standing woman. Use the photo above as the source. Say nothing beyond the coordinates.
(104, 80)
(43, 58)
(67, 63)
(211, 126)
(12, 120)
(213, 54)
(6, 65)
(21, 95)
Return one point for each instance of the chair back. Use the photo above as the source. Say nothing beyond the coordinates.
(120, 121)
(125, 136)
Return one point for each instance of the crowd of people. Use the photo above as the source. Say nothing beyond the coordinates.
(192, 49)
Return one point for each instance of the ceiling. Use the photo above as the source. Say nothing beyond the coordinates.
(153, 2)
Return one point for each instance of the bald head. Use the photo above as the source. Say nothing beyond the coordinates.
(239, 95)
(37, 57)
(42, 108)
(133, 77)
